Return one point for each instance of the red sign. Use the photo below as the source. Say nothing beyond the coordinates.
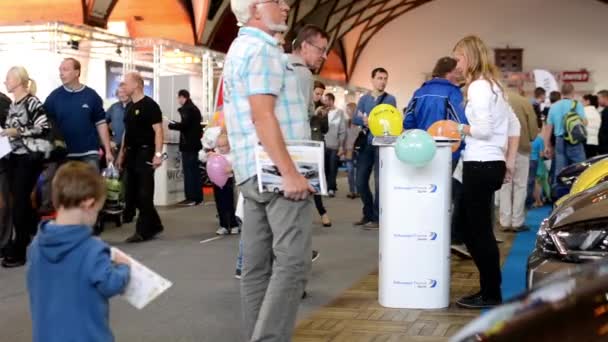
(575, 76)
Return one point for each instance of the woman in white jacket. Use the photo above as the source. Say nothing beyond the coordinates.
(488, 161)
(593, 126)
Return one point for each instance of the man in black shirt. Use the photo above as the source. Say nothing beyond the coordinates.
(603, 134)
(141, 154)
(189, 145)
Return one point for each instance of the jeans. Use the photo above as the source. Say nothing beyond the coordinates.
(91, 159)
(140, 191)
(331, 166)
(513, 194)
(531, 182)
(277, 247)
(239, 257)
(366, 163)
(224, 203)
(351, 167)
(457, 210)
(566, 154)
(193, 183)
(480, 181)
(24, 171)
(319, 205)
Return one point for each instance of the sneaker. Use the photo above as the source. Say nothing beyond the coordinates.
(10, 262)
(315, 255)
(477, 301)
(461, 251)
(222, 231)
(184, 202)
(188, 204)
(363, 221)
(237, 274)
(371, 226)
(351, 195)
(325, 221)
(331, 193)
(135, 238)
(235, 231)
(520, 229)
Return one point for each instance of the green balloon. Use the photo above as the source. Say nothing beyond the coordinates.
(415, 147)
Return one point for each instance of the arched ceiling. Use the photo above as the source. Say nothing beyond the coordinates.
(350, 23)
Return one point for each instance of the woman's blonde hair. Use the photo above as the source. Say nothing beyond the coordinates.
(24, 78)
(478, 62)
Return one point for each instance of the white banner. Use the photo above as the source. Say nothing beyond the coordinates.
(545, 80)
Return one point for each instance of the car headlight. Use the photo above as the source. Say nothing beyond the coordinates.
(581, 241)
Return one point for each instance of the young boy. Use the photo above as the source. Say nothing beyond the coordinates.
(224, 197)
(70, 275)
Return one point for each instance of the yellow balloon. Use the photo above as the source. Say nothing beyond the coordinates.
(385, 119)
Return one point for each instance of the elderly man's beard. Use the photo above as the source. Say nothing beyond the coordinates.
(273, 26)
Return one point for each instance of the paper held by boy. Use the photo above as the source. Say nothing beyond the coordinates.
(144, 285)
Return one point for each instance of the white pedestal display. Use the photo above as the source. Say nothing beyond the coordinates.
(415, 208)
(169, 178)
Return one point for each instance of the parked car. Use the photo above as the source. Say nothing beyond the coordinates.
(569, 175)
(568, 307)
(575, 232)
(592, 176)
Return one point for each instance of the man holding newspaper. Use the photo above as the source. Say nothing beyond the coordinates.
(263, 105)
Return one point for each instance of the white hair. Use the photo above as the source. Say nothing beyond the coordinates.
(242, 10)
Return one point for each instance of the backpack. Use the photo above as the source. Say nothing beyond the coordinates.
(574, 129)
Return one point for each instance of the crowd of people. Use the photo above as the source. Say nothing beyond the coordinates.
(270, 98)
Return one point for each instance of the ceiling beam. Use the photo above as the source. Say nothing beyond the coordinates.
(97, 12)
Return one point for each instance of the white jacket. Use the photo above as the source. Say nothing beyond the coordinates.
(593, 127)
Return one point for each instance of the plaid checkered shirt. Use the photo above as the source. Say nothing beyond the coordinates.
(256, 65)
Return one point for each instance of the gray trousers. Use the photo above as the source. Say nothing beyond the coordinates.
(277, 253)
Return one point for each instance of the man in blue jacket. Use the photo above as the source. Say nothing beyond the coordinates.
(368, 154)
(441, 99)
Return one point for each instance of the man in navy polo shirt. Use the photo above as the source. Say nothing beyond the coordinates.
(368, 154)
(78, 112)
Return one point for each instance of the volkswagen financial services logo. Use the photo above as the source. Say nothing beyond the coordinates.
(427, 284)
(421, 189)
(430, 236)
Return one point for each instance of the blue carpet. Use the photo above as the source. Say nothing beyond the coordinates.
(514, 267)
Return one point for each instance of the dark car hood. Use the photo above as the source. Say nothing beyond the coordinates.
(575, 170)
(569, 307)
(589, 205)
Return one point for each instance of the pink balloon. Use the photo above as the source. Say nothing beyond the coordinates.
(216, 169)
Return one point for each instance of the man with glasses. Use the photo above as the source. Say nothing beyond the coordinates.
(263, 104)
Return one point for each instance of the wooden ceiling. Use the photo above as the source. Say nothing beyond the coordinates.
(350, 23)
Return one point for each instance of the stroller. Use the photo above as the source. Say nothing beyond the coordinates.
(114, 205)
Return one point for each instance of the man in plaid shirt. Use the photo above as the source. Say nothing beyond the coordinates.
(263, 105)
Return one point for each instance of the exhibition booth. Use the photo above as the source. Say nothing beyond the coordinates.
(166, 67)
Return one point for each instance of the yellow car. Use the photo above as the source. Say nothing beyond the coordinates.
(594, 175)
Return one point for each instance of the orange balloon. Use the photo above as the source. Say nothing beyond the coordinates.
(444, 129)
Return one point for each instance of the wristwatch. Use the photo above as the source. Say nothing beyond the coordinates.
(158, 155)
(461, 130)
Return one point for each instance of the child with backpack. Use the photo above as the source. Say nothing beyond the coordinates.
(70, 269)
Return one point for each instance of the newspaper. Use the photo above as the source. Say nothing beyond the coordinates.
(144, 285)
(309, 157)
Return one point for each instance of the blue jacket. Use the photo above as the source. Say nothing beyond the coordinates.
(70, 278)
(437, 99)
(366, 103)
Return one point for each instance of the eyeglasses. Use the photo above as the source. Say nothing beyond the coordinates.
(278, 2)
(321, 50)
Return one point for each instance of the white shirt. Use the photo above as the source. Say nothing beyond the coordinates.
(593, 127)
(492, 122)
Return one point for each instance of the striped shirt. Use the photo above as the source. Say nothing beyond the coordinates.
(29, 118)
(255, 65)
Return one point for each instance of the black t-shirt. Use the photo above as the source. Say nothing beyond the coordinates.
(139, 118)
